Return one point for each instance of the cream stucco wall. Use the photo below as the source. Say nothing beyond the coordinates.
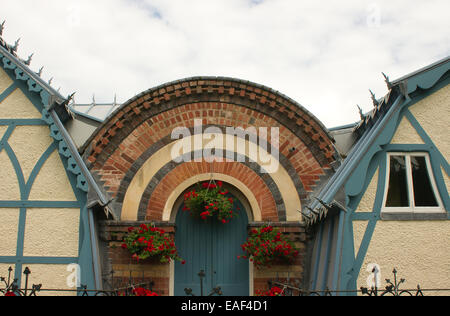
(2, 131)
(164, 155)
(368, 199)
(406, 134)
(420, 251)
(52, 183)
(17, 106)
(29, 143)
(9, 224)
(9, 186)
(52, 233)
(5, 81)
(433, 114)
(52, 277)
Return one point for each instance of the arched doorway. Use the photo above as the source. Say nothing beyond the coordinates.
(214, 248)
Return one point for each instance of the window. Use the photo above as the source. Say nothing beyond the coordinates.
(410, 184)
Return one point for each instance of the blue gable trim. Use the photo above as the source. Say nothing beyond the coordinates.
(374, 159)
(368, 156)
(40, 95)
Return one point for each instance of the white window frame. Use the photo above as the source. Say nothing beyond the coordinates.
(412, 207)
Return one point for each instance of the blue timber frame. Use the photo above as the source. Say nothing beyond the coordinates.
(40, 97)
(357, 172)
(375, 160)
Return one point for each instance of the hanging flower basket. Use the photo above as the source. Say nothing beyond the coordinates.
(210, 200)
(267, 246)
(150, 242)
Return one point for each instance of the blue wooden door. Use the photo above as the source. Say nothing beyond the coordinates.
(212, 247)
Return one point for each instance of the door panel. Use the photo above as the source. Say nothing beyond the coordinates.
(212, 247)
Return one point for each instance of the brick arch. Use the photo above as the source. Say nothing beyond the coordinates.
(155, 201)
(125, 157)
(138, 163)
(264, 101)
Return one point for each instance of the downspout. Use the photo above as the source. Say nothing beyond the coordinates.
(337, 260)
(95, 250)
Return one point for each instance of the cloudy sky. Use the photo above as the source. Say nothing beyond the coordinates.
(324, 54)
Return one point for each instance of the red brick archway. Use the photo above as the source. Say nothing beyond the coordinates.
(142, 125)
(235, 170)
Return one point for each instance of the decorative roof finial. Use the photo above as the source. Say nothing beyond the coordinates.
(69, 98)
(374, 99)
(28, 61)
(361, 113)
(386, 79)
(39, 73)
(2, 27)
(16, 46)
(50, 81)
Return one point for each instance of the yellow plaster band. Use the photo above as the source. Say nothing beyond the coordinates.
(164, 155)
(169, 207)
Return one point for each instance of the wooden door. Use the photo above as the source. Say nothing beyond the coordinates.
(214, 248)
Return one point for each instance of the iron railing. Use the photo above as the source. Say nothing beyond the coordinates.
(11, 287)
(392, 288)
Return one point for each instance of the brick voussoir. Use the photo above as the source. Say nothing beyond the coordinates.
(168, 93)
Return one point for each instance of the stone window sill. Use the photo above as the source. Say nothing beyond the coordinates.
(414, 216)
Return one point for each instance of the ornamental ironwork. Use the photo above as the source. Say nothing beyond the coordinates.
(9, 287)
(392, 288)
(215, 291)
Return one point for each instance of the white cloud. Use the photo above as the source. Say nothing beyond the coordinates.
(323, 54)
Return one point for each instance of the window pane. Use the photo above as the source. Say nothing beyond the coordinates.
(398, 184)
(423, 191)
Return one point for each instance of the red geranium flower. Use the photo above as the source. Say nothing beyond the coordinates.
(211, 199)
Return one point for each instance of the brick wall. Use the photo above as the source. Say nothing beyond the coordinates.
(124, 267)
(294, 272)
